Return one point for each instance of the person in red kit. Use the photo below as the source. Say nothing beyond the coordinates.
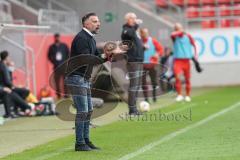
(152, 50)
(182, 53)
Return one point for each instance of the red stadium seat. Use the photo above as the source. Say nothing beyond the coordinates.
(178, 2)
(208, 11)
(224, 10)
(236, 23)
(236, 10)
(236, 1)
(225, 23)
(208, 24)
(192, 2)
(212, 2)
(161, 3)
(192, 12)
(224, 1)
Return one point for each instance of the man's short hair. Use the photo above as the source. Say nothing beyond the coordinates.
(56, 35)
(87, 16)
(130, 15)
(4, 55)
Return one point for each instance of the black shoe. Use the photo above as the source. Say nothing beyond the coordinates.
(92, 146)
(82, 147)
(6, 116)
(133, 111)
(11, 115)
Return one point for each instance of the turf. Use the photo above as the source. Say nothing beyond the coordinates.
(217, 139)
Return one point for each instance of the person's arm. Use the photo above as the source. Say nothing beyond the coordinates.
(81, 46)
(5, 89)
(128, 33)
(50, 54)
(103, 56)
(176, 34)
(6, 77)
(192, 41)
(158, 47)
(67, 51)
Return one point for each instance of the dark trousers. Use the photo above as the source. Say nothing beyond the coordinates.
(59, 85)
(134, 75)
(12, 101)
(19, 101)
(6, 99)
(80, 89)
(22, 92)
(152, 72)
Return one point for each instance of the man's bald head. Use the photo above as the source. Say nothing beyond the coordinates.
(178, 27)
(131, 19)
(144, 33)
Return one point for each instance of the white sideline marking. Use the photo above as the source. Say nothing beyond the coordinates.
(181, 131)
(182, 108)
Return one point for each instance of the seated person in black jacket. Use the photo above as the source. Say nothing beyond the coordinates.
(21, 91)
(6, 83)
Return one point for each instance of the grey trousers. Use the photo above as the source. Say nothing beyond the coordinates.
(135, 73)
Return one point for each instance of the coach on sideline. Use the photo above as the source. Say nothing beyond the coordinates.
(78, 75)
(135, 59)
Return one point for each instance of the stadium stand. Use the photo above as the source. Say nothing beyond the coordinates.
(202, 12)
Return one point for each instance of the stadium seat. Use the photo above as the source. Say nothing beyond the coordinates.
(236, 10)
(224, 10)
(192, 2)
(236, 23)
(212, 2)
(236, 1)
(161, 3)
(225, 23)
(192, 12)
(208, 11)
(208, 24)
(224, 1)
(178, 2)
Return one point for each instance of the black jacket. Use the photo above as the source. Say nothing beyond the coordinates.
(52, 53)
(83, 50)
(136, 53)
(5, 76)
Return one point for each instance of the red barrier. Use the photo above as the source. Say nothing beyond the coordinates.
(40, 43)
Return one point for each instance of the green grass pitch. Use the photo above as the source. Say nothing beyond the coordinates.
(216, 139)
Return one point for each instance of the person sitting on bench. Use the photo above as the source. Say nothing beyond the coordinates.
(6, 82)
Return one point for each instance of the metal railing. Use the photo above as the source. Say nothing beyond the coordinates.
(5, 11)
(46, 4)
(60, 21)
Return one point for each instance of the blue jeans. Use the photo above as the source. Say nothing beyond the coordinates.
(80, 89)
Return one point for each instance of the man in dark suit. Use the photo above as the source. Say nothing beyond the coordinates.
(57, 54)
(84, 55)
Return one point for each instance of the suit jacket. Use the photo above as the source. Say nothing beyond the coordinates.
(62, 49)
(135, 53)
(84, 55)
